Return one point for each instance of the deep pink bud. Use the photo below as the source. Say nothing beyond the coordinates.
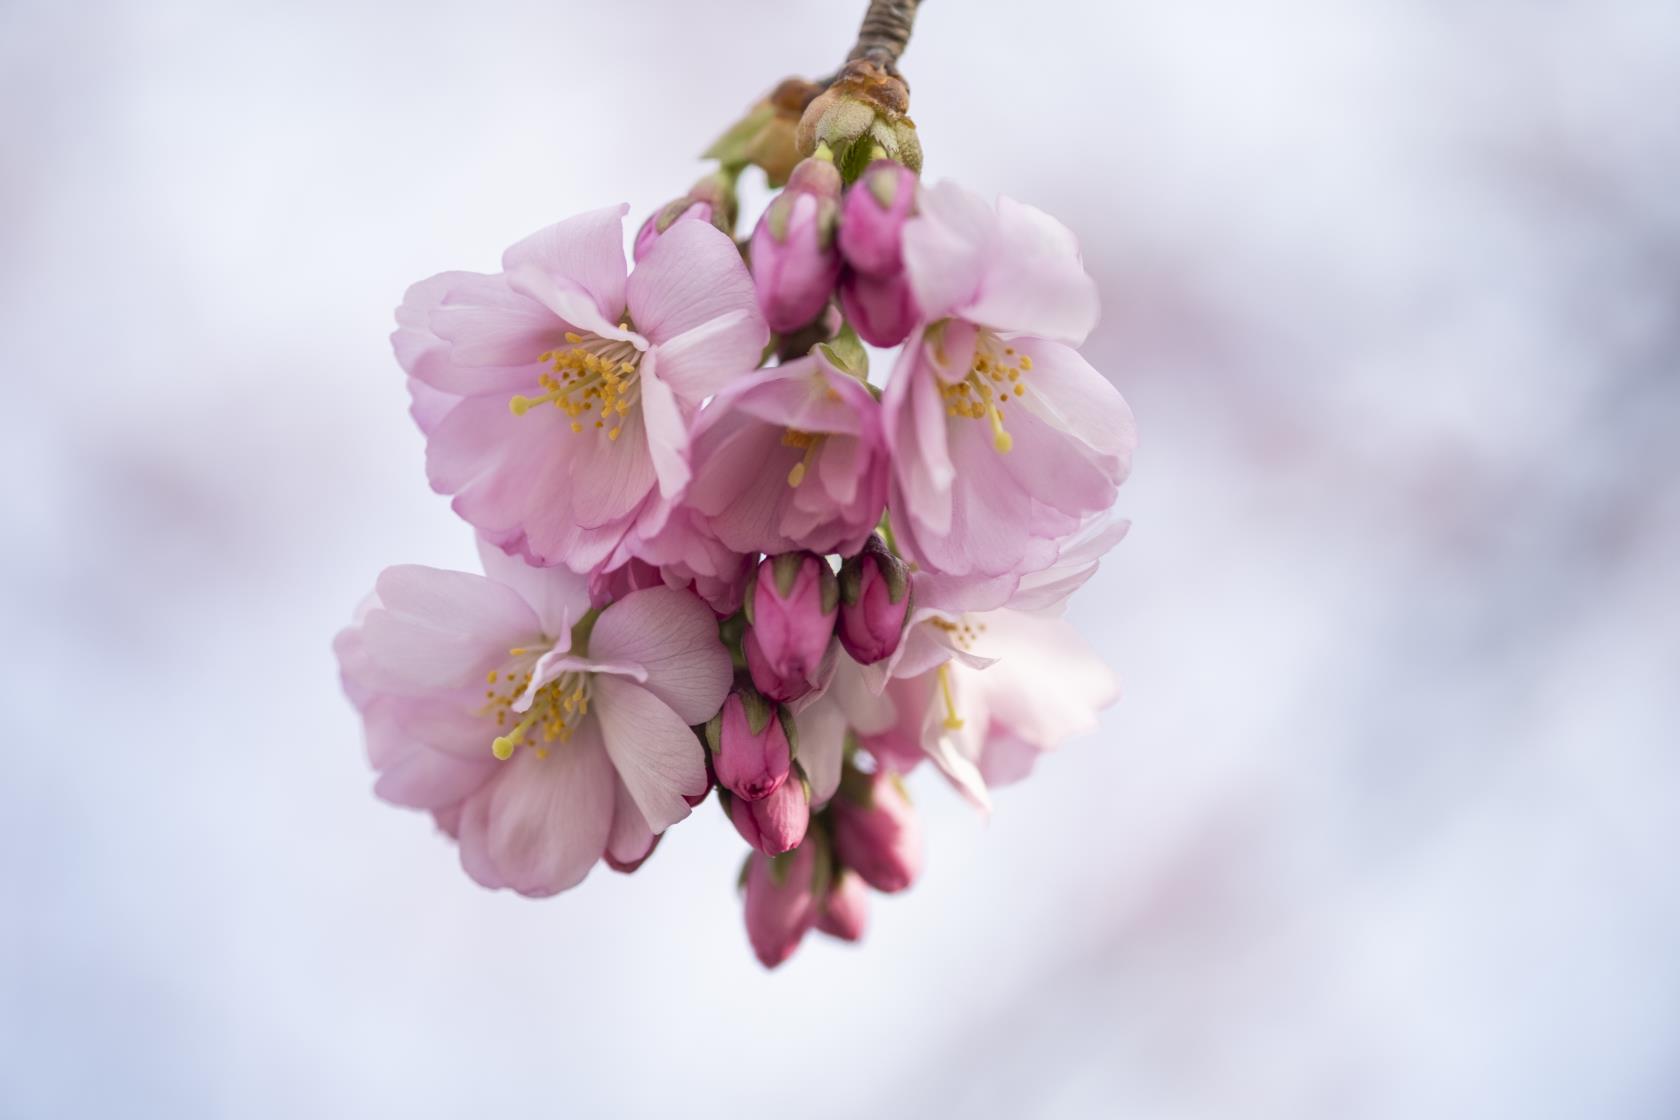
(882, 309)
(874, 601)
(750, 747)
(795, 261)
(792, 604)
(777, 823)
(877, 834)
(872, 221)
(844, 912)
(712, 199)
(781, 902)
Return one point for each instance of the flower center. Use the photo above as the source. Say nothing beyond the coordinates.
(963, 633)
(590, 379)
(992, 379)
(556, 708)
(811, 442)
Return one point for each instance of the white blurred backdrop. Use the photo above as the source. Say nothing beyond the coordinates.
(1385, 825)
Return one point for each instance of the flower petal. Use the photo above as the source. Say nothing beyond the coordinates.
(558, 596)
(673, 635)
(631, 839)
(1034, 280)
(692, 275)
(656, 754)
(666, 430)
(1070, 394)
(549, 818)
(945, 247)
(439, 629)
(584, 252)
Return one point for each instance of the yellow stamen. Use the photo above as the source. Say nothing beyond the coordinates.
(952, 723)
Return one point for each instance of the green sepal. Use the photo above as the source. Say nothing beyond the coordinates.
(845, 353)
(732, 148)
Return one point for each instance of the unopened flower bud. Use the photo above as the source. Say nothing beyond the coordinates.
(750, 745)
(795, 260)
(882, 309)
(777, 823)
(712, 199)
(860, 117)
(878, 836)
(792, 603)
(781, 902)
(874, 602)
(765, 137)
(873, 216)
(844, 912)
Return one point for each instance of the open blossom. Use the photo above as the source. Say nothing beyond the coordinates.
(542, 733)
(1004, 440)
(790, 458)
(576, 378)
(1022, 684)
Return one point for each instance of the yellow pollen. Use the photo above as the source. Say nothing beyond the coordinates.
(587, 372)
(556, 710)
(992, 378)
(811, 442)
(952, 723)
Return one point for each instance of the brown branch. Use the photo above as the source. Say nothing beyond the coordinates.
(884, 33)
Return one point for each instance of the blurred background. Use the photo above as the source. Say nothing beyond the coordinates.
(1384, 826)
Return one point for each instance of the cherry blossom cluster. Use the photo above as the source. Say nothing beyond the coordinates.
(715, 555)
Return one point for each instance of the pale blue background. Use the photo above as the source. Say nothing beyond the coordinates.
(1384, 827)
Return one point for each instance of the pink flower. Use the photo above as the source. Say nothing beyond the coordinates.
(782, 901)
(541, 733)
(749, 742)
(1013, 686)
(790, 458)
(792, 604)
(576, 380)
(1004, 439)
(795, 261)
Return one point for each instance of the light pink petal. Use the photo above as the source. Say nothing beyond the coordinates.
(667, 431)
(693, 275)
(655, 753)
(1035, 281)
(472, 834)
(631, 839)
(493, 335)
(674, 636)
(822, 742)
(585, 252)
(1051, 684)
(439, 629)
(549, 818)
(709, 358)
(558, 596)
(610, 478)
(1068, 393)
(946, 247)
(428, 779)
